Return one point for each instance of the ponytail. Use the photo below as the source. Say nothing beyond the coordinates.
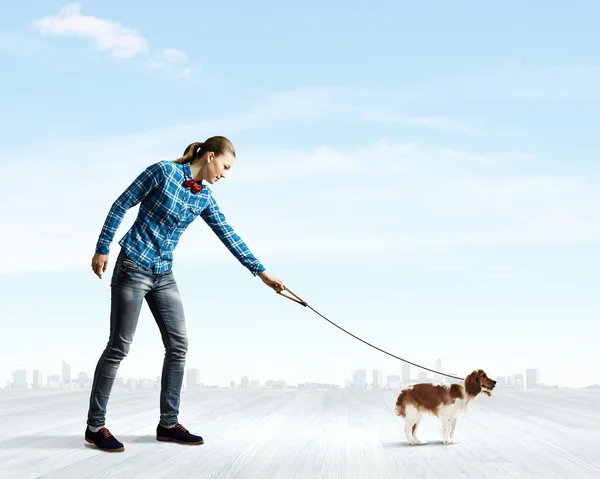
(190, 153)
(219, 145)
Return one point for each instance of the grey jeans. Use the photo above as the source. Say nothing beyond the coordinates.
(130, 286)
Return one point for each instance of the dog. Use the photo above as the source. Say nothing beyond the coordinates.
(445, 401)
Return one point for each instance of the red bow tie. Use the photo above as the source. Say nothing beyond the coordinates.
(196, 187)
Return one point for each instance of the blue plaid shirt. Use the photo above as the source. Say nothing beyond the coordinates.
(167, 208)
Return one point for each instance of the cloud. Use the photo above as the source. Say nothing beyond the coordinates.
(406, 159)
(320, 203)
(405, 203)
(443, 122)
(170, 59)
(272, 164)
(267, 111)
(106, 35)
(345, 104)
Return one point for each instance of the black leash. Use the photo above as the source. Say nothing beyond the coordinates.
(298, 300)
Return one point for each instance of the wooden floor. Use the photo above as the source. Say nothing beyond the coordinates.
(301, 434)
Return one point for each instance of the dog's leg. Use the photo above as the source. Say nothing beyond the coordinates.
(453, 430)
(446, 421)
(414, 431)
(443, 426)
(411, 417)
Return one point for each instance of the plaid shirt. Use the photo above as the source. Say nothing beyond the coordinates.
(167, 208)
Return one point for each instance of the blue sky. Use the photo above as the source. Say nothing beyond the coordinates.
(425, 176)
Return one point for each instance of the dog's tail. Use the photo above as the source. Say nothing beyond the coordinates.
(401, 404)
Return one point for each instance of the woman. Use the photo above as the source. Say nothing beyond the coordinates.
(172, 195)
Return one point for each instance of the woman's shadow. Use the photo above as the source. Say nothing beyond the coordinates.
(53, 441)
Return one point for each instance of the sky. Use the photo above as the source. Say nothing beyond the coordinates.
(425, 176)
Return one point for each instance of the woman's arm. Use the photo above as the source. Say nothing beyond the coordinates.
(143, 185)
(216, 220)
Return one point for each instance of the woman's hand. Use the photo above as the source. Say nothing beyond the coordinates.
(99, 264)
(272, 281)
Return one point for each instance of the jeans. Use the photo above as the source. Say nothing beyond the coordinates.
(130, 285)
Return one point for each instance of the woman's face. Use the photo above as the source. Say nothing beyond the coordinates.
(216, 167)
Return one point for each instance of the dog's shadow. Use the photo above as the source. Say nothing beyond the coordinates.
(36, 441)
(393, 445)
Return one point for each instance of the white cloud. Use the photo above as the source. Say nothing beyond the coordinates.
(110, 36)
(359, 104)
(166, 57)
(439, 121)
(170, 59)
(380, 197)
(406, 202)
(374, 162)
(271, 164)
(106, 35)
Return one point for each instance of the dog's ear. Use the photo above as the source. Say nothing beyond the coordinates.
(473, 383)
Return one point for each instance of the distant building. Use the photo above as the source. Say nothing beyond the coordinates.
(377, 379)
(66, 372)
(519, 383)
(405, 373)
(193, 378)
(146, 384)
(393, 381)
(359, 379)
(54, 381)
(38, 379)
(438, 367)
(20, 379)
(533, 378)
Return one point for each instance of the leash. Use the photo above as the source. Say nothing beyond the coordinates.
(300, 301)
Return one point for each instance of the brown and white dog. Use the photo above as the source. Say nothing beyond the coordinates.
(445, 401)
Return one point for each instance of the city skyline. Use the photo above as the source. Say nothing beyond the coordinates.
(357, 379)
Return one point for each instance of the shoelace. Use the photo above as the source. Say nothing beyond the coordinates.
(179, 426)
(105, 432)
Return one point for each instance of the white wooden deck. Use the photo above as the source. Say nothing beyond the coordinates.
(301, 434)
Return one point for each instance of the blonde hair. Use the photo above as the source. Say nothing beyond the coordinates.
(219, 145)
